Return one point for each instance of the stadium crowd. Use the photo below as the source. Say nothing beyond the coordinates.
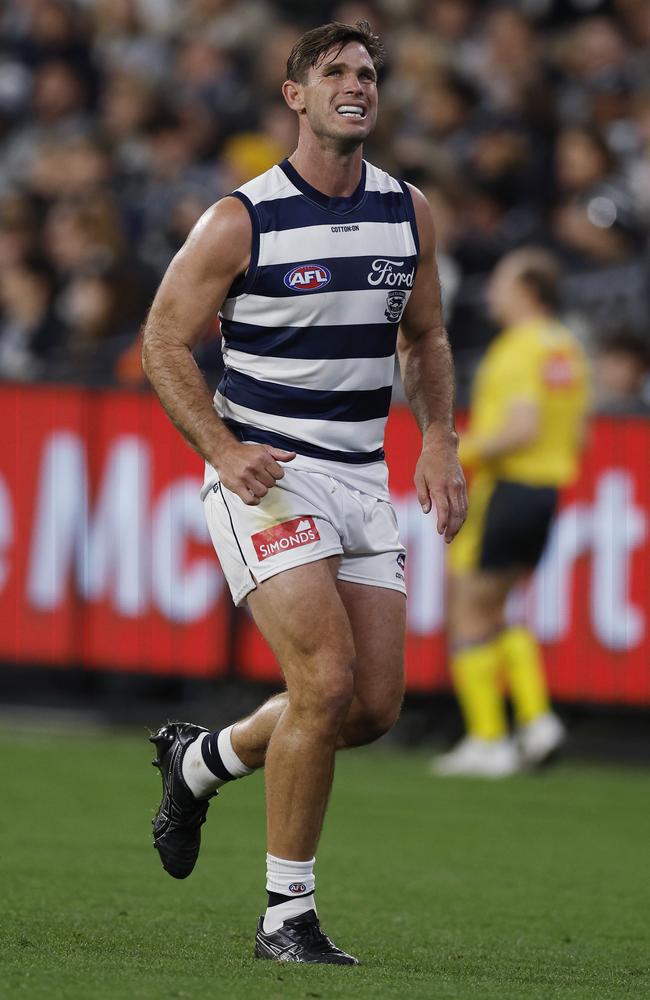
(122, 120)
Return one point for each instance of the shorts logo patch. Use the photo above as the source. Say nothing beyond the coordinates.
(401, 560)
(297, 887)
(395, 302)
(307, 277)
(285, 536)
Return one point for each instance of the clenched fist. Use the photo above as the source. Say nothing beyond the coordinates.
(251, 470)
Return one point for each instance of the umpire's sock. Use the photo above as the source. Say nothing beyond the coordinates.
(476, 670)
(524, 669)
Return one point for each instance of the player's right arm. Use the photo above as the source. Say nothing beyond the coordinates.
(191, 293)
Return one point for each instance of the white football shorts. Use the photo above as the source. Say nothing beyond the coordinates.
(307, 515)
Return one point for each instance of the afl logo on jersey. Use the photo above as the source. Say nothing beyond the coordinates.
(307, 277)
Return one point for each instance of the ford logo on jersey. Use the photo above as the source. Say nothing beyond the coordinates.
(307, 277)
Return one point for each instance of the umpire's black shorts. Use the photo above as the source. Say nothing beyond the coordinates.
(507, 527)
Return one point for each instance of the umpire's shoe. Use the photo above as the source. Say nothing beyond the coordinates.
(300, 939)
(177, 824)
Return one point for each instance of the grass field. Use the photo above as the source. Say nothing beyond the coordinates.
(534, 887)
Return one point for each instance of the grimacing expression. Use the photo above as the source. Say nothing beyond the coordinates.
(340, 94)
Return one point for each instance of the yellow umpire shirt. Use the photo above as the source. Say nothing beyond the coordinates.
(541, 362)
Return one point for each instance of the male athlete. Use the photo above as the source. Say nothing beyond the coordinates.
(312, 266)
(523, 444)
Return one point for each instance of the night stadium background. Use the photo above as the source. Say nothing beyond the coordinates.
(120, 122)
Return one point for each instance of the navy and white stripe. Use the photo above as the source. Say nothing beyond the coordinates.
(311, 368)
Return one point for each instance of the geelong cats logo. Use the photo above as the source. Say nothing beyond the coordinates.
(395, 302)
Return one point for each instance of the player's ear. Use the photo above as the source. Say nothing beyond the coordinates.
(292, 93)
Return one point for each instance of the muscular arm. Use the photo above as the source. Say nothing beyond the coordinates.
(428, 377)
(190, 294)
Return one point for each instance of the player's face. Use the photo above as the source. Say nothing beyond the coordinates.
(340, 95)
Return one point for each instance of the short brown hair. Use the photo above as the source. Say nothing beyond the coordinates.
(539, 271)
(315, 43)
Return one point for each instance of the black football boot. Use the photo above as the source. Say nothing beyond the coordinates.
(177, 824)
(300, 939)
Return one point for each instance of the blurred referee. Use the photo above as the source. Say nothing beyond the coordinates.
(523, 444)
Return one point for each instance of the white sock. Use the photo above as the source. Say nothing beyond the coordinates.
(294, 879)
(276, 915)
(233, 764)
(198, 777)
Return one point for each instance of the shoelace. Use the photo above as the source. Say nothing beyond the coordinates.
(319, 939)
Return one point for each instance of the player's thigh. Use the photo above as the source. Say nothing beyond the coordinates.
(377, 617)
(302, 617)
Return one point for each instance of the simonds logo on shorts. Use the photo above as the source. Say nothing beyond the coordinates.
(285, 536)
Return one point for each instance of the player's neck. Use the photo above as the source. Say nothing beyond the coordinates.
(330, 171)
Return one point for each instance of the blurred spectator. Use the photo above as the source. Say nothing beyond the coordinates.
(595, 217)
(510, 69)
(99, 322)
(123, 42)
(59, 106)
(444, 202)
(128, 103)
(593, 56)
(82, 237)
(28, 327)
(639, 166)
(18, 230)
(622, 371)
(172, 176)
(207, 76)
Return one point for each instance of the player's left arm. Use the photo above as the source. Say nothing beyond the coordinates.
(428, 377)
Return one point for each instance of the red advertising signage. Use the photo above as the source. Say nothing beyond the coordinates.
(105, 558)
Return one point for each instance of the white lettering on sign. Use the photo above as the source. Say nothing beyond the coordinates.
(6, 532)
(127, 549)
(106, 549)
(183, 593)
(619, 528)
(611, 530)
(109, 551)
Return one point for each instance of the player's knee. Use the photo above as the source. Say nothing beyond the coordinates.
(370, 722)
(325, 697)
(334, 704)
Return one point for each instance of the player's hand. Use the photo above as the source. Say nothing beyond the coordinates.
(440, 482)
(251, 470)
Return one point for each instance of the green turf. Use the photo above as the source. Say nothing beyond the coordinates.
(534, 887)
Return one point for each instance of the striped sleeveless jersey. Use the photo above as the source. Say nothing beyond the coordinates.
(309, 332)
